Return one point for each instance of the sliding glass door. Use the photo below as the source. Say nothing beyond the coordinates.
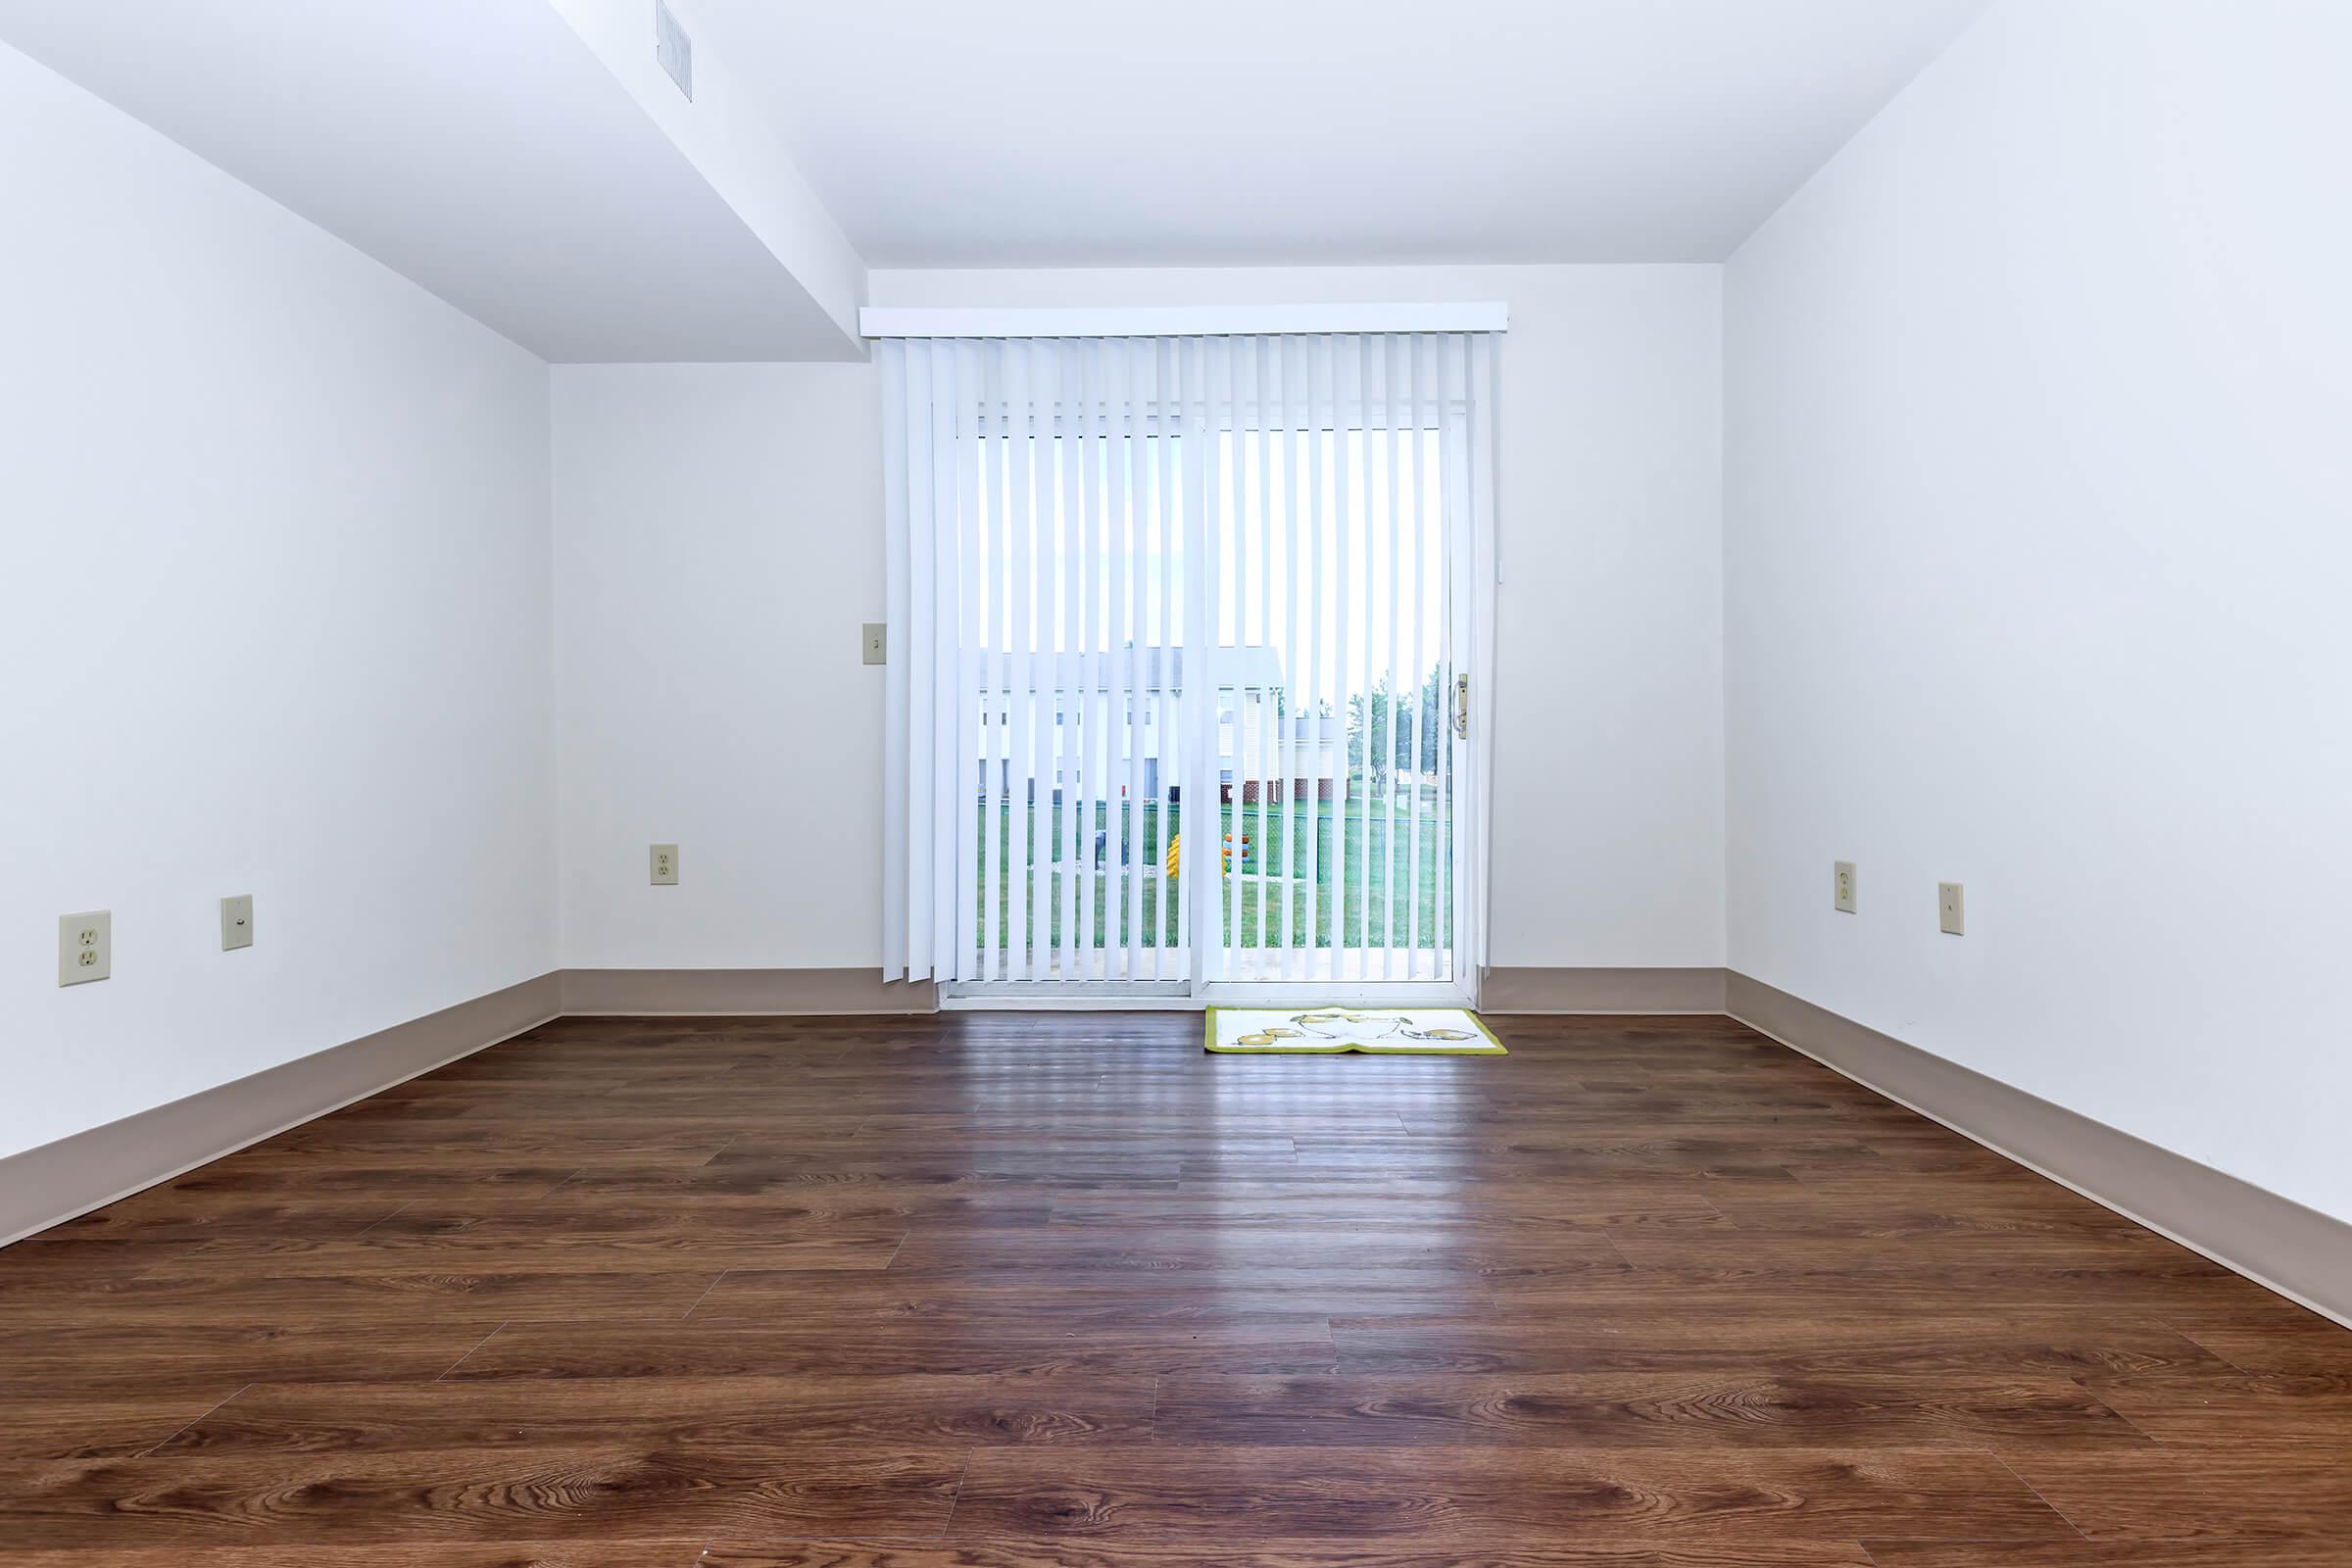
(1206, 631)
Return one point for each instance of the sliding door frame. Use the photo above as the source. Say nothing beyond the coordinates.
(1471, 560)
(1455, 438)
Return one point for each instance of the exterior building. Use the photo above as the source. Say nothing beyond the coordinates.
(1259, 744)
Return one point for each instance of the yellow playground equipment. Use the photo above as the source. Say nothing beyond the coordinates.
(1176, 852)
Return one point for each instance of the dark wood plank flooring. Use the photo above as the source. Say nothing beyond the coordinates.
(986, 1290)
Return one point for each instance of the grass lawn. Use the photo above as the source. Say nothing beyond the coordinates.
(1283, 837)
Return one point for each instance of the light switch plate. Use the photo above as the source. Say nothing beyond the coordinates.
(877, 643)
(1842, 884)
(1949, 915)
(663, 859)
(236, 921)
(85, 947)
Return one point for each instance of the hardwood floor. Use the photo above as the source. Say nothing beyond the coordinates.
(985, 1290)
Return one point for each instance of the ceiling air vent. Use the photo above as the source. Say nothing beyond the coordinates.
(674, 49)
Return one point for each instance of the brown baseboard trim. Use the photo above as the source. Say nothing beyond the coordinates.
(53, 1183)
(1534, 990)
(2303, 1254)
(766, 992)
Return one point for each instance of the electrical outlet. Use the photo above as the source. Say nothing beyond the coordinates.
(85, 947)
(877, 643)
(665, 858)
(1841, 886)
(1948, 913)
(236, 921)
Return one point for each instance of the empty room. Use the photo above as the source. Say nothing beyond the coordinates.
(876, 784)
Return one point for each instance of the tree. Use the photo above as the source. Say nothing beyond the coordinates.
(1368, 727)
(1391, 726)
(1433, 715)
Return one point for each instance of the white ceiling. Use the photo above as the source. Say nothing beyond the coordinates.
(525, 160)
(478, 147)
(1093, 132)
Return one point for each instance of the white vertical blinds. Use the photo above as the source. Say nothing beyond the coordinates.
(1175, 629)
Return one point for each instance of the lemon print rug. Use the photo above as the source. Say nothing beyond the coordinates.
(1373, 1030)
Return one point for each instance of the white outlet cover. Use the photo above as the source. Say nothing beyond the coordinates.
(85, 947)
(1841, 886)
(662, 861)
(236, 921)
(1950, 914)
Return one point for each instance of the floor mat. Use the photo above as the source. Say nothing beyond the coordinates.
(1371, 1031)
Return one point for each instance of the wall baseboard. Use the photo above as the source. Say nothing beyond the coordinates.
(1567, 990)
(770, 993)
(2299, 1253)
(55, 1182)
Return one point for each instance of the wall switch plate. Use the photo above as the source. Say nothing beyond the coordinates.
(1842, 884)
(1948, 913)
(236, 921)
(85, 947)
(665, 859)
(877, 643)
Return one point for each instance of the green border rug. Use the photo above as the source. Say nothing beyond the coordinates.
(1366, 1031)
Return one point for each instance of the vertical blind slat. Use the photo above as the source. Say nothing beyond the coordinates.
(1078, 802)
(1037, 520)
(1263, 432)
(1365, 348)
(966, 687)
(894, 837)
(1198, 885)
(1314, 351)
(996, 774)
(1102, 752)
(1127, 699)
(1417, 556)
(922, 621)
(1391, 379)
(938, 772)
(1341, 596)
(1045, 568)
(1018, 675)
(1062, 452)
(1231, 529)
(1292, 586)
(1458, 622)
(1485, 388)
(1164, 729)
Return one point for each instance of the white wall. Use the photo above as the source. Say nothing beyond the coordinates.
(719, 548)
(275, 532)
(2039, 518)
(719, 541)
